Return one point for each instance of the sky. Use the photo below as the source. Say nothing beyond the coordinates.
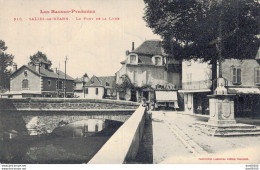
(95, 47)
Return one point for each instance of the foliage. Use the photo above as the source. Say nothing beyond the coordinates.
(190, 28)
(39, 56)
(126, 84)
(5, 61)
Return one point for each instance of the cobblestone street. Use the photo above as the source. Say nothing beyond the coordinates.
(176, 140)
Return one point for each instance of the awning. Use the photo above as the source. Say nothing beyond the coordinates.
(194, 91)
(243, 90)
(166, 96)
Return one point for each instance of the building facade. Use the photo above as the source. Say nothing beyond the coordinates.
(99, 88)
(39, 80)
(147, 70)
(79, 83)
(242, 80)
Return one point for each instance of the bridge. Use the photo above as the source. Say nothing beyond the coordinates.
(34, 116)
(45, 115)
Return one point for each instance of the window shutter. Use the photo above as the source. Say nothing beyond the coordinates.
(257, 75)
(234, 75)
(239, 75)
(144, 77)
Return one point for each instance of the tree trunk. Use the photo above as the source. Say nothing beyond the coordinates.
(214, 73)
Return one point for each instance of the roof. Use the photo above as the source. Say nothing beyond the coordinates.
(243, 90)
(146, 50)
(46, 72)
(150, 47)
(78, 80)
(142, 59)
(106, 81)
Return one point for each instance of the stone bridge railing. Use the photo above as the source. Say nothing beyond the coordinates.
(124, 144)
(65, 104)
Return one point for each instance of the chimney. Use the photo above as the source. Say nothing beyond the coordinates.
(37, 67)
(133, 46)
(14, 67)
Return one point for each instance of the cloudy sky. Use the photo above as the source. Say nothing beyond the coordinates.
(93, 47)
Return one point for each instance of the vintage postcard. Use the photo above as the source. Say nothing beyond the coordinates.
(129, 82)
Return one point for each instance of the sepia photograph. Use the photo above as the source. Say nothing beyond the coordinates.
(88, 82)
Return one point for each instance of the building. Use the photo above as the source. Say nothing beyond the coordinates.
(39, 80)
(242, 80)
(79, 83)
(147, 72)
(100, 87)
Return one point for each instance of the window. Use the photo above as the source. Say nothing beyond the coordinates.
(135, 77)
(25, 73)
(96, 91)
(59, 84)
(157, 60)
(49, 83)
(148, 77)
(86, 90)
(257, 75)
(132, 59)
(236, 75)
(25, 84)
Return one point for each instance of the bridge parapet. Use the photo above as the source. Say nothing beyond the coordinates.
(65, 104)
(124, 144)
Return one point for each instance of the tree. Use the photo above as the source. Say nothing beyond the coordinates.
(191, 29)
(38, 57)
(5, 61)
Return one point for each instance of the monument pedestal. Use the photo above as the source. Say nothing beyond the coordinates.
(222, 117)
(221, 109)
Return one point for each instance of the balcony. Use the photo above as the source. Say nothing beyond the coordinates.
(197, 85)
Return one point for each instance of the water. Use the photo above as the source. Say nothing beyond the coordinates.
(75, 142)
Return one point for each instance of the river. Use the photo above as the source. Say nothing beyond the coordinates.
(69, 143)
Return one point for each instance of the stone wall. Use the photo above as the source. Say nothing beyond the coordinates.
(124, 144)
(58, 104)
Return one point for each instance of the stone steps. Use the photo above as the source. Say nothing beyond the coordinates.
(228, 130)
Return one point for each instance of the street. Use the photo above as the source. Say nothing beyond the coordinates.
(176, 140)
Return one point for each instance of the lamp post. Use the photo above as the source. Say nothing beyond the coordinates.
(65, 77)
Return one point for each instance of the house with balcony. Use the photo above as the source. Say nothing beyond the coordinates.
(39, 80)
(147, 72)
(242, 80)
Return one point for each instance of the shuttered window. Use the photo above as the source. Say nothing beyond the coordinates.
(135, 76)
(236, 75)
(257, 75)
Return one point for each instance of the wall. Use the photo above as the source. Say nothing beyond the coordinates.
(78, 86)
(158, 74)
(200, 71)
(58, 104)
(247, 71)
(92, 93)
(34, 81)
(119, 73)
(124, 144)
